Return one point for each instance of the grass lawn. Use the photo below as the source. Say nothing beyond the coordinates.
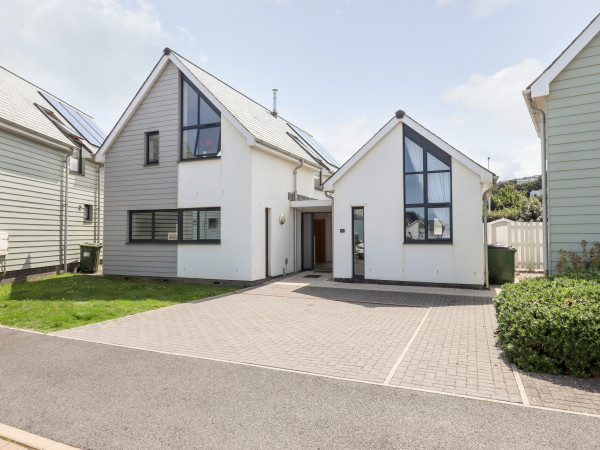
(67, 301)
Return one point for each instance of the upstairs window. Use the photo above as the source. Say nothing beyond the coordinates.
(75, 163)
(152, 148)
(427, 191)
(200, 125)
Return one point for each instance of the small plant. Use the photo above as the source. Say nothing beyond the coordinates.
(577, 262)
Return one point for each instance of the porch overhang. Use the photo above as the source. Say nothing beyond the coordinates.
(311, 205)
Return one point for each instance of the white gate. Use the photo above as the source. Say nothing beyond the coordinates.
(526, 237)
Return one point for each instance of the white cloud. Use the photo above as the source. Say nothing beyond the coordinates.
(482, 8)
(499, 94)
(92, 53)
(494, 105)
(344, 139)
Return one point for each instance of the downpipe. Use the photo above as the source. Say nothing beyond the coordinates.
(545, 224)
(486, 195)
(66, 235)
(295, 214)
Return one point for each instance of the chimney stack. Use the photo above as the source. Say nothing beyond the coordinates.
(274, 102)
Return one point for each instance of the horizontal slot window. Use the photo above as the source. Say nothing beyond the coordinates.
(201, 225)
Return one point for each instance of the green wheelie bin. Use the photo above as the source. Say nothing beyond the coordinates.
(89, 257)
(501, 264)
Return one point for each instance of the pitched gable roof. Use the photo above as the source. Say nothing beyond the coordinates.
(401, 117)
(253, 120)
(541, 85)
(18, 111)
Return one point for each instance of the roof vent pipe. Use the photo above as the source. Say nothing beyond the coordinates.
(274, 102)
(400, 114)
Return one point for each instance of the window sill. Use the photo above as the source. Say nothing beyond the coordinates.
(434, 242)
(199, 159)
(151, 164)
(88, 220)
(72, 172)
(213, 242)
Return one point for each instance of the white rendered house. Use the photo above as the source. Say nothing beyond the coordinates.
(202, 183)
(408, 208)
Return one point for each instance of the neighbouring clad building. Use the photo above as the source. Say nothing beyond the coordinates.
(47, 161)
(564, 102)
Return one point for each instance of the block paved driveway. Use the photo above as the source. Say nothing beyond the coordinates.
(434, 339)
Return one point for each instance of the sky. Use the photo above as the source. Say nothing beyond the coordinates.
(342, 67)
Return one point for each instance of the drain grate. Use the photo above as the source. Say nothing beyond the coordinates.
(312, 276)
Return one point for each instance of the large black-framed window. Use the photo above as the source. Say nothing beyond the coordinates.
(176, 226)
(76, 161)
(427, 191)
(152, 147)
(200, 125)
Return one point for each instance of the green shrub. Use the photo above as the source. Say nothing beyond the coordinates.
(552, 324)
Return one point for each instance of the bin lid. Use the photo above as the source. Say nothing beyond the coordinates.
(88, 244)
(502, 247)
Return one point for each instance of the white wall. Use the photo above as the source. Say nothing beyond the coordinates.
(376, 183)
(272, 180)
(223, 183)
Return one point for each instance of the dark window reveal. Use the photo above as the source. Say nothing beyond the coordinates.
(427, 190)
(152, 140)
(200, 125)
(176, 226)
(88, 213)
(75, 161)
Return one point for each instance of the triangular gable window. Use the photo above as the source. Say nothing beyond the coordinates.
(200, 124)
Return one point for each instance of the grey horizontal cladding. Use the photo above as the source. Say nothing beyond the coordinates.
(574, 112)
(593, 217)
(591, 115)
(561, 173)
(571, 192)
(576, 90)
(32, 203)
(574, 150)
(575, 101)
(569, 210)
(577, 229)
(565, 167)
(591, 77)
(590, 136)
(130, 185)
(578, 128)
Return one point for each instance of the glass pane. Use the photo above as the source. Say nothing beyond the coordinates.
(435, 164)
(210, 224)
(207, 114)
(190, 105)
(414, 224)
(141, 226)
(358, 241)
(413, 185)
(438, 187)
(75, 160)
(413, 156)
(165, 225)
(153, 148)
(208, 141)
(190, 225)
(438, 223)
(189, 142)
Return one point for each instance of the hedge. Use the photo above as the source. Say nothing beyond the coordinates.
(552, 324)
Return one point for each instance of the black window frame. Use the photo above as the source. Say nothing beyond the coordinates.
(88, 213)
(198, 127)
(147, 161)
(79, 171)
(179, 239)
(428, 148)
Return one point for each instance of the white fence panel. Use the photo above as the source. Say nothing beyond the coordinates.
(526, 237)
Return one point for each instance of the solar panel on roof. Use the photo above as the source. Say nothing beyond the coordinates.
(84, 125)
(312, 142)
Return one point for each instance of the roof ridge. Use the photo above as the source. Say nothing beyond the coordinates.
(44, 90)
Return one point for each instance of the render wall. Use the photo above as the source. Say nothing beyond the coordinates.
(573, 109)
(131, 185)
(32, 196)
(272, 180)
(386, 255)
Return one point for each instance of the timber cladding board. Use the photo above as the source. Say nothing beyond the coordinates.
(32, 177)
(574, 153)
(131, 185)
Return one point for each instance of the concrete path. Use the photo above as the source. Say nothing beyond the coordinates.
(106, 397)
(435, 339)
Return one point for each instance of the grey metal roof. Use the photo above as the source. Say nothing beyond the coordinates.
(257, 119)
(18, 98)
